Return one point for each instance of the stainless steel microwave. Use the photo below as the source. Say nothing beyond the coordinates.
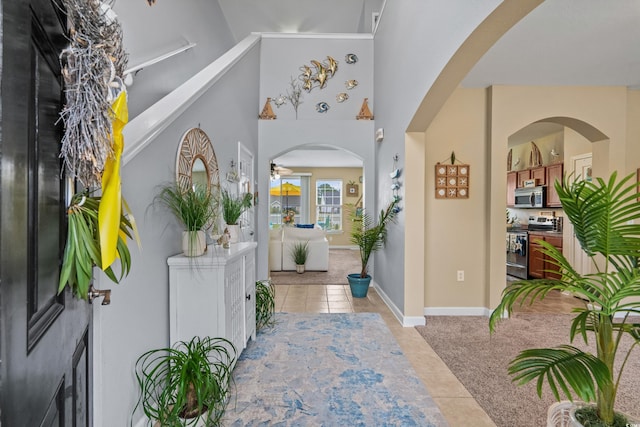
(531, 197)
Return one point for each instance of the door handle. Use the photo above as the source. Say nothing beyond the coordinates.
(96, 293)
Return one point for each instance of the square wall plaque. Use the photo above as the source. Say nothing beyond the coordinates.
(452, 181)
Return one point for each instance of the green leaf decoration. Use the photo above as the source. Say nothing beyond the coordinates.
(82, 249)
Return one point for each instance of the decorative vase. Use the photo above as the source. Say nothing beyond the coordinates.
(234, 233)
(359, 285)
(299, 268)
(194, 243)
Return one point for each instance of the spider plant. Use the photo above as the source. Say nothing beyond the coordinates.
(603, 214)
(265, 304)
(180, 383)
(82, 249)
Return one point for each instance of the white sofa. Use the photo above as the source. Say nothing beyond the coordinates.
(281, 242)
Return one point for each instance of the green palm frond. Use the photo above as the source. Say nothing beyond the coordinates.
(564, 368)
(370, 235)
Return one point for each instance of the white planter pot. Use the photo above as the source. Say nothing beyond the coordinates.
(562, 414)
(299, 268)
(234, 233)
(194, 243)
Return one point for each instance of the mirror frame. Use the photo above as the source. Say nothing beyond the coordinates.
(194, 145)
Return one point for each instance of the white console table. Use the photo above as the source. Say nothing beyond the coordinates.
(214, 295)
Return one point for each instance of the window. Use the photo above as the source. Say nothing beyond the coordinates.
(289, 201)
(329, 204)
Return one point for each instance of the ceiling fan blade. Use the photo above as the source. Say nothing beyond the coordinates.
(282, 170)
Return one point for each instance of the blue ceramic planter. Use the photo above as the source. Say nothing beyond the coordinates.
(359, 285)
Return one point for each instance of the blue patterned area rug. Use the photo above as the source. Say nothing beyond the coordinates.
(328, 370)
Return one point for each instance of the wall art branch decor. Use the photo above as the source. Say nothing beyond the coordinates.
(319, 74)
(294, 95)
(452, 180)
(92, 67)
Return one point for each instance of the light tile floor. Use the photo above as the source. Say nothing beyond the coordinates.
(455, 402)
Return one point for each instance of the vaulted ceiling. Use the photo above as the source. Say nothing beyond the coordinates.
(561, 42)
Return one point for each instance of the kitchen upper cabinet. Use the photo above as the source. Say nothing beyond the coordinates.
(553, 173)
(523, 175)
(539, 174)
(512, 182)
(541, 266)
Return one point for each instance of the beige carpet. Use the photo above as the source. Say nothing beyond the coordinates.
(341, 263)
(480, 362)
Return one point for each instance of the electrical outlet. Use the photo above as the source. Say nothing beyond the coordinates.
(460, 275)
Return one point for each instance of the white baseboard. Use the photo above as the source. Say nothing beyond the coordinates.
(406, 321)
(457, 311)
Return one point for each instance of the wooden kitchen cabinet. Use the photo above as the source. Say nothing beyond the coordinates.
(540, 175)
(512, 182)
(554, 172)
(540, 266)
(523, 176)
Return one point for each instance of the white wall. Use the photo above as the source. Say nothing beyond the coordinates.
(284, 54)
(167, 25)
(137, 320)
(410, 53)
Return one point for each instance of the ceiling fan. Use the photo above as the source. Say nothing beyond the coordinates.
(278, 171)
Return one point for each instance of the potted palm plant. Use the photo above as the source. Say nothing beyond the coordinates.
(299, 253)
(602, 214)
(186, 383)
(233, 206)
(369, 236)
(195, 208)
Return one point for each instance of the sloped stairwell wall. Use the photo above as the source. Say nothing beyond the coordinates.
(221, 99)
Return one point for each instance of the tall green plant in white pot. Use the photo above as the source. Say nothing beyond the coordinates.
(299, 254)
(233, 206)
(196, 208)
(605, 217)
(369, 235)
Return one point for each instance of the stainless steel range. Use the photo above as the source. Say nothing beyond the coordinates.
(517, 260)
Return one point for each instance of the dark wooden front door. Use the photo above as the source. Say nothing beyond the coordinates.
(45, 357)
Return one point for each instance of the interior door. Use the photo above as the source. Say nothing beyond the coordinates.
(44, 337)
(581, 168)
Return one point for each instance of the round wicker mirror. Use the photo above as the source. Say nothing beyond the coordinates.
(196, 162)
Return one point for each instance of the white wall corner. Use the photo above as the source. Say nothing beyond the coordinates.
(457, 311)
(406, 321)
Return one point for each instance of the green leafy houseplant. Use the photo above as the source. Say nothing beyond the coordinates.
(265, 304)
(602, 214)
(194, 207)
(82, 249)
(370, 235)
(180, 383)
(300, 252)
(234, 206)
